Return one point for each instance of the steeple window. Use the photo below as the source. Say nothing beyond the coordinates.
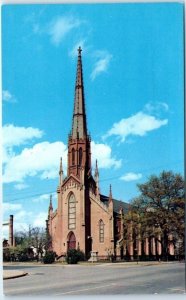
(73, 157)
(80, 156)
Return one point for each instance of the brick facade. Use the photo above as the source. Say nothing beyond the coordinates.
(84, 218)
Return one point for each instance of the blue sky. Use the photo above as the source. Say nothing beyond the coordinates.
(133, 77)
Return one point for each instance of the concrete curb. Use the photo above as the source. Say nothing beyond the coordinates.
(58, 264)
(12, 274)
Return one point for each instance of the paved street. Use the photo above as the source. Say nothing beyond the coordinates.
(102, 279)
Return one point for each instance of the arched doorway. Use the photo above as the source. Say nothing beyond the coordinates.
(71, 241)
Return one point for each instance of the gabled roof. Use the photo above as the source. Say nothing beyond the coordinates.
(72, 176)
(117, 204)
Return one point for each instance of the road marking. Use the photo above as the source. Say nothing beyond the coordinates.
(28, 289)
(84, 290)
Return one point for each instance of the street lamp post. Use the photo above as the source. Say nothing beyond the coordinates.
(136, 249)
(91, 252)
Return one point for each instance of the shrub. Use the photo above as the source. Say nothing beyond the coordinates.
(6, 254)
(73, 256)
(49, 257)
(23, 257)
(17, 253)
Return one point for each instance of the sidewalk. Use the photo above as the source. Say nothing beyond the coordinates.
(10, 274)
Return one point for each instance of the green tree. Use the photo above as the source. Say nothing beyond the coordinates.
(35, 237)
(160, 209)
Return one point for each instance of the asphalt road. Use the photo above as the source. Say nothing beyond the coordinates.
(103, 279)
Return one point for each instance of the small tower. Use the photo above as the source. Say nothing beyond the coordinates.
(50, 208)
(110, 202)
(96, 178)
(60, 173)
(110, 195)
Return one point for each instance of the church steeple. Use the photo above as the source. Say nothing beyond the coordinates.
(79, 125)
(79, 154)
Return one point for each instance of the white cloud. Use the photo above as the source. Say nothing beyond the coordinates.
(131, 176)
(8, 97)
(39, 220)
(60, 27)
(138, 124)
(22, 214)
(156, 107)
(13, 136)
(16, 136)
(102, 64)
(20, 226)
(102, 153)
(42, 198)
(5, 232)
(7, 206)
(41, 160)
(20, 217)
(20, 186)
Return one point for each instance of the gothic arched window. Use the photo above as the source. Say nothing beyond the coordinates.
(73, 156)
(101, 231)
(80, 156)
(71, 212)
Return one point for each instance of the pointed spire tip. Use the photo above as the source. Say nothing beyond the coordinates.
(50, 205)
(79, 126)
(110, 192)
(79, 51)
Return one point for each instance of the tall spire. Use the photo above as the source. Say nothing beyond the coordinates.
(79, 126)
(79, 142)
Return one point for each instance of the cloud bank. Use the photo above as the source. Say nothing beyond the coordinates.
(103, 153)
(131, 176)
(42, 159)
(60, 27)
(16, 136)
(102, 64)
(8, 97)
(137, 125)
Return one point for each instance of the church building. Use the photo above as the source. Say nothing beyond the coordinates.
(84, 219)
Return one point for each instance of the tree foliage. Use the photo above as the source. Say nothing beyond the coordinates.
(35, 237)
(160, 209)
(31, 244)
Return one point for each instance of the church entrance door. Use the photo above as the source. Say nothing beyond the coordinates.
(71, 241)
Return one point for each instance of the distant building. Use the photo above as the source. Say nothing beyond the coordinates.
(84, 218)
